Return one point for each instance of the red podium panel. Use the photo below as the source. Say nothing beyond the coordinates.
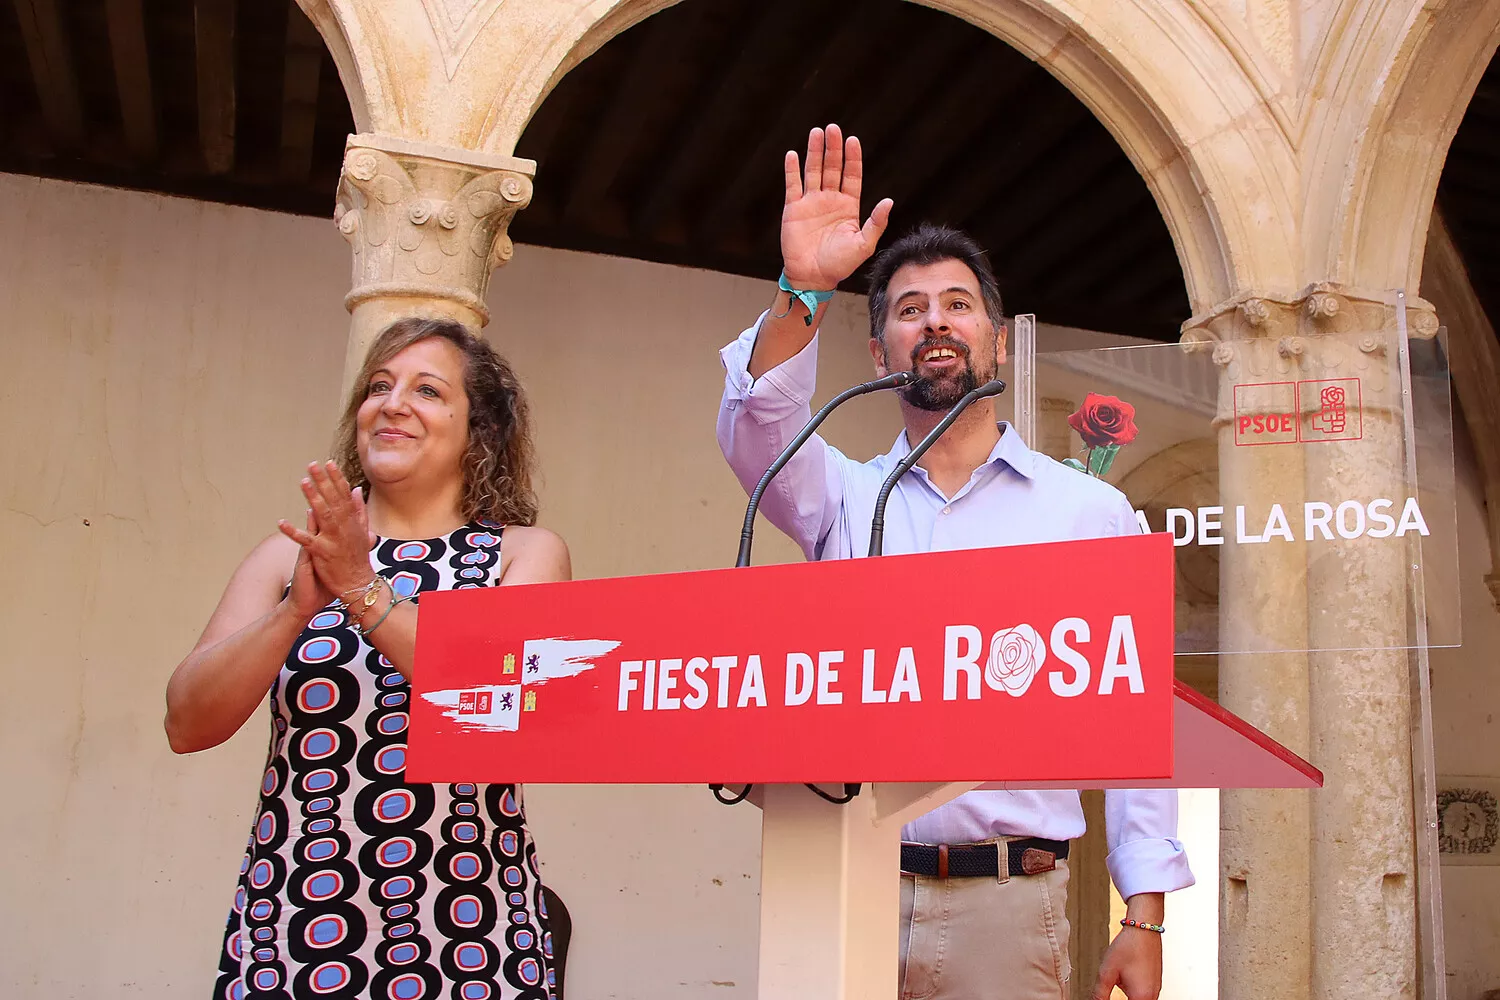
(1211, 748)
(1023, 662)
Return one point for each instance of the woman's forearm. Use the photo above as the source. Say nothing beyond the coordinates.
(396, 635)
(216, 688)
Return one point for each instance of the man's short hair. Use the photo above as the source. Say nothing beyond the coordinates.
(929, 244)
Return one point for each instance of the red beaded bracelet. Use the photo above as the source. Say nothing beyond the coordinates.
(1158, 928)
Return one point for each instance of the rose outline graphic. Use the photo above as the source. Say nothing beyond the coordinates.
(1016, 657)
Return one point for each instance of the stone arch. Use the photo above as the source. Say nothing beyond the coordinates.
(1212, 146)
(1423, 84)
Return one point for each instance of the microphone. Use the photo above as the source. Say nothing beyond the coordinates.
(892, 381)
(994, 387)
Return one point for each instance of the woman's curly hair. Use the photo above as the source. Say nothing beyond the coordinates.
(497, 465)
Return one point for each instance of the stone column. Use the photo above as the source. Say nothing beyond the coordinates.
(427, 225)
(1363, 831)
(1319, 895)
(1264, 904)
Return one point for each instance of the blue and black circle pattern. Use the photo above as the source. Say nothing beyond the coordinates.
(354, 883)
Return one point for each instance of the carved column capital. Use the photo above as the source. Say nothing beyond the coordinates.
(1321, 308)
(427, 222)
(1326, 332)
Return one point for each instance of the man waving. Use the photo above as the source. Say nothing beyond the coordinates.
(984, 878)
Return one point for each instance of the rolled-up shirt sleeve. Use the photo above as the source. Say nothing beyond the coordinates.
(1144, 852)
(1141, 824)
(758, 418)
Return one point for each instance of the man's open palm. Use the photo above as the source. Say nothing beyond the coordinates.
(822, 242)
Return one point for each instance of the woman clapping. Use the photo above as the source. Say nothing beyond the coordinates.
(354, 883)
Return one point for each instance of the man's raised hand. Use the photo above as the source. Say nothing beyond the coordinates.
(822, 242)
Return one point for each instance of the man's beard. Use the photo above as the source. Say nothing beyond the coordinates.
(938, 394)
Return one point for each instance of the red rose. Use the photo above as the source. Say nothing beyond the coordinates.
(1103, 421)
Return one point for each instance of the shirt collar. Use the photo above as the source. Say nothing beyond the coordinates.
(1010, 450)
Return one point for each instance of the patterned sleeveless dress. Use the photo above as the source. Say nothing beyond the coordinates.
(354, 883)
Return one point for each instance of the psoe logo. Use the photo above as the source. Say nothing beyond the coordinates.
(1265, 413)
(475, 702)
(1014, 657)
(1308, 411)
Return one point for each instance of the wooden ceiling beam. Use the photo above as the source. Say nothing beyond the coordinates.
(663, 37)
(902, 93)
(127, 47)
(1141, 279)
(535, 225)
(891, 108)
(213, 34)
(1032, 206)
(1084, 215)
(52, 72)
(942, 133)
(1006, 152)
(831, 74)
(708, 118)
(1170, 289)
(1112, 253)
(299, 94)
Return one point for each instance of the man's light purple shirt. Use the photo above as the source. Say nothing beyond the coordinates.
(824, 501)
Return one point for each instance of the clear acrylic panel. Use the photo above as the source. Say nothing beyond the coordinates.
(1307, 480)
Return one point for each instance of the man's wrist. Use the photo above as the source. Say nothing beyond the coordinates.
(812, 299)
(808, 283)
(1147, 907)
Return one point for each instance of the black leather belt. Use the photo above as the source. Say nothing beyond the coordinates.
(1028, 856)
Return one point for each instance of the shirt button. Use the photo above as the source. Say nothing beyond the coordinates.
(947, 510)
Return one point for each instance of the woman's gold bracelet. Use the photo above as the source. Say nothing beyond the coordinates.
(395, 600)
(370, 592)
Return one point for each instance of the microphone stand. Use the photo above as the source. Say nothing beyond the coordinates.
(892, 381)
(993, 387)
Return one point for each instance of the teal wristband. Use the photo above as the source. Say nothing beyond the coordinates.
(812, 300)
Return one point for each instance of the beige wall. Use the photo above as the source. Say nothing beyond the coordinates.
(169, 367)
(166, 369)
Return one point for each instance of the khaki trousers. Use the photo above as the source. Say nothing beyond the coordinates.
(984, 939)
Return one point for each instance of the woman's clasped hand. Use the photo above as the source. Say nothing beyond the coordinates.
(333, 563)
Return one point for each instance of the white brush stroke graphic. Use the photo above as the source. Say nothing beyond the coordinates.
(544, 660)
(460, 704)
(496, 708)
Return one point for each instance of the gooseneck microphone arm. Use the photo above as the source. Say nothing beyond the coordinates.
(877, 523)
(892, 381)
(889, 382)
